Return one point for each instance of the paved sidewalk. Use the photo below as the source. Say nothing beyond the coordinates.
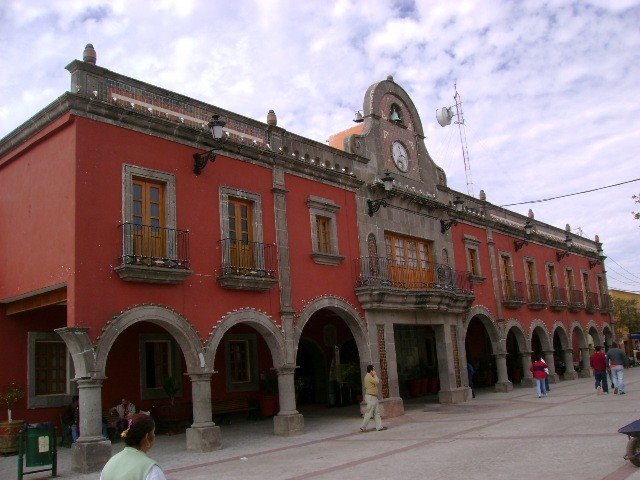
(571, 434)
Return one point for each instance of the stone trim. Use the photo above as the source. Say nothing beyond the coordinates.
(322, 207)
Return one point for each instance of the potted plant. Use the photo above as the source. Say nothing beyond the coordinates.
(269, 397)
(10, 430)
(174, 416)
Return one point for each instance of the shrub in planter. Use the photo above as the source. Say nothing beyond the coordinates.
(10, 430)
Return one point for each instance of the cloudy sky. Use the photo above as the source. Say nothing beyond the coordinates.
(550, 90)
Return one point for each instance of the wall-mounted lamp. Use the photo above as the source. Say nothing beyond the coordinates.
(457, 208)
(528, 230)
(568, 241)
(358, 118)
(200, 159)
(374, 205)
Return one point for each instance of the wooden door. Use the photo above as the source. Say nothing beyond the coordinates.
(241, 246)
(149, 234)
(410, 262)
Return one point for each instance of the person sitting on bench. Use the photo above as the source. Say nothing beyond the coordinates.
(124, 410)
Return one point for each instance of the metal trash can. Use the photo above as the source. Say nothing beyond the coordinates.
(37, 449)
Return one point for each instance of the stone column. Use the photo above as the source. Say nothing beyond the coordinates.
(570, 373)
(586, 366)
(203, 435)
(527, 376)
(451, 388)
(549, 360)
(383, 348)
(503, 384)
(92, 450)
(288, 421)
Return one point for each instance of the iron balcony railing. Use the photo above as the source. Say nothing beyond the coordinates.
(558, 297)
(606, 305)
(576, 299)
(537, 294)
(154, 246)
(384, 272)
(252, 259)
(513, 291)
(591, 301)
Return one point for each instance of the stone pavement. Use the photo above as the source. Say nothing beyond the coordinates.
(571, 434)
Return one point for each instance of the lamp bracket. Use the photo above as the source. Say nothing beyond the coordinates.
(446, 224)
(593, 263)
(374, 205)
(561, 254)
(518, 244)
(200, 160)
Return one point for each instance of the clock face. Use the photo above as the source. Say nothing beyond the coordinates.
(400, 156)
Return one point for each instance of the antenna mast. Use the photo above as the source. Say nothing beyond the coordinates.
(463, 141)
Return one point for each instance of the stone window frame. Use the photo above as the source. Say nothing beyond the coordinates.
(530, 281)
(54, 400)
(129, 172)
(323, 207)
(473, 243)
(254, 383)
(256, 201)
(175, 362)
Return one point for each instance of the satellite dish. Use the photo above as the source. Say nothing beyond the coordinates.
(444, 116)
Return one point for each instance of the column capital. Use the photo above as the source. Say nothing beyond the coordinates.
(286, 369)
(90, 382)
(200, 376)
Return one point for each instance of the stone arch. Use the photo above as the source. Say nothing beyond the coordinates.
(582, 337)
(178, 327)
(486, 318)
(260, 321)
(346, 312)
(562, 334)
(537, 326)
(518, 332)
(592, 330)
(607, 334)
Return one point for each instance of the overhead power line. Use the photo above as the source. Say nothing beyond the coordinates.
(571, 194)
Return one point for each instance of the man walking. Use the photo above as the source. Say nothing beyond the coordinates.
(598, 362)
(371, 382)
(617, 360)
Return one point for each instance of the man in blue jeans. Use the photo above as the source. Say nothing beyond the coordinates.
(617, 361)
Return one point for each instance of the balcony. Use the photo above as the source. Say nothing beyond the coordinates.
(537, 297)
(558, 299)
(576, 300)
(591, 304)
(154, 254)
(383, 283)
(606, 305)
(513, 294)
(247, 265)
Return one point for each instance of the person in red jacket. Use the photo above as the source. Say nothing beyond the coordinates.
(540, 369)
(598, 362)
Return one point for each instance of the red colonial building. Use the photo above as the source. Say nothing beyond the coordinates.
(148, 237)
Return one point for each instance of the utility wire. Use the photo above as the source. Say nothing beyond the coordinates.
(570, 194)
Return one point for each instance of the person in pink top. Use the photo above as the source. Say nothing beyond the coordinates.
(540, 369)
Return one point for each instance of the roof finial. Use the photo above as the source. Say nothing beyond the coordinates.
(89, 54)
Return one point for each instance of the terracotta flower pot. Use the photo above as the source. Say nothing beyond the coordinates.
(10, 436)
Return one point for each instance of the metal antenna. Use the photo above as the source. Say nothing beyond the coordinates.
(463, 141)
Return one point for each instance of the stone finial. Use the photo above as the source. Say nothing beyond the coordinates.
(483, 196)
(272, 120)
(597, 239)
(89, 54)
(568, 228)
(390, 78)
(530, 214)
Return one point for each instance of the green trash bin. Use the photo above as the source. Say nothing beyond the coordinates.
(37, 449)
